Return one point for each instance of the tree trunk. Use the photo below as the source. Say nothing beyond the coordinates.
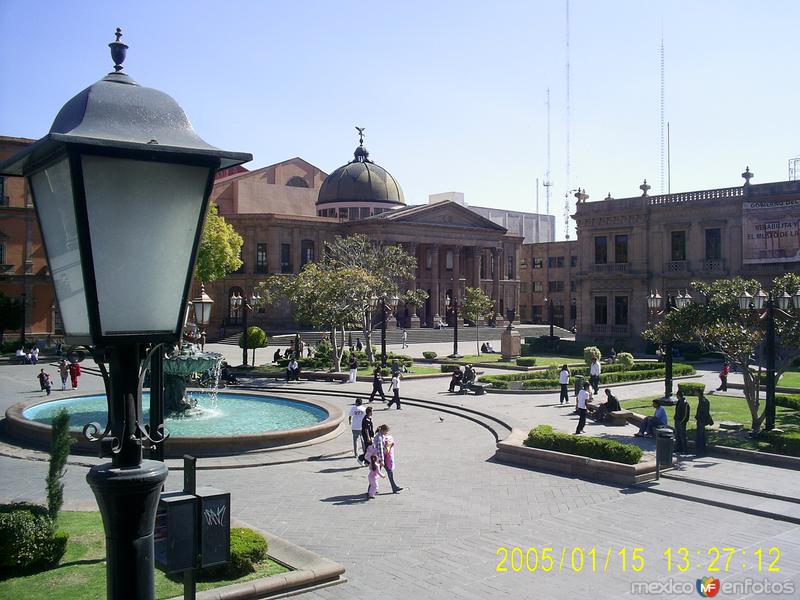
(336, 357)
(366, 330)
(477, 337)
(751, 393)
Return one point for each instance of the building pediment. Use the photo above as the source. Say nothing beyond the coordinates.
(442, 214)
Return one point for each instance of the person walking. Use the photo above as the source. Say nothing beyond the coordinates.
(723, 377)
(377, 385)
(373, 475)
(63, 371)
(48, 383)
(74, 373)
(41, 377)
(563, 380)
(353, 369)
(594, 375)
(387, 446)
(405, 339)
(583, 396)
(356, 418)
(682, 410)
(367, 432)
(395, 387)
(702, 419)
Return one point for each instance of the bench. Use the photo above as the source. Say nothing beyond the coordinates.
(479, 389)
(618, 417)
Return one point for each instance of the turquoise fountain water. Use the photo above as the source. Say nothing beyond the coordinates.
(220, 414)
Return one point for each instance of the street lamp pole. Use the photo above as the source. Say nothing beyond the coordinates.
(383, 331)
(654, 301)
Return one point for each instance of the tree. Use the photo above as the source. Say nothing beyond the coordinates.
(256, 338)
(476, 306)
(59, 451)
(719, 325)
(387, 267)
(327, 298)
(220, 248)
(10, 314)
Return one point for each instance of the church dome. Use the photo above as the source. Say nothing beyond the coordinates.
(361, 180)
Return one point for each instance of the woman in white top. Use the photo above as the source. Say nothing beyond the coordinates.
(563, 380)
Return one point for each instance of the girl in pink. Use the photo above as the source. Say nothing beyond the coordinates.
(374, 473)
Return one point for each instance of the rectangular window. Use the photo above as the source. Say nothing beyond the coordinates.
(510, 270)
(600, 250)
(240, 270)
(600, 310)
(573, 261)
(620, 248)
(573, 312)
(620, 310)
(3, 199)
(678, 246)
(428, 258)
(538, 286)
(713, 244)
(523, 311)
(286, 258)
(363, 213)
(555, 262)
(261, 258)
(306, 252)
(537, 263)
(344, 214)
(448, 260)
(555, 286)
(573, 286)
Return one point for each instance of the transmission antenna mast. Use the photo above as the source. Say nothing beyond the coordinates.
(566, 194)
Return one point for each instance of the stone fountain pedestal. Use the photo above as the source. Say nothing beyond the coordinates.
(177, 370)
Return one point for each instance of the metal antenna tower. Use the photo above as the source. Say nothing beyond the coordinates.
(547, 183)
(662, 110)
(566, 194)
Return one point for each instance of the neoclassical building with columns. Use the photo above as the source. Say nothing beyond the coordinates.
(287, 211)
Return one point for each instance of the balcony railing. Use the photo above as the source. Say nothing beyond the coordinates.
(733, 192)
(676, 266)
(610, 330)
(714, 264)
(610, 268)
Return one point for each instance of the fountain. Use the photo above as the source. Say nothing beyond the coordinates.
(178, 367)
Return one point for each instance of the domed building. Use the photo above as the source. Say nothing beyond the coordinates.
(359, 189)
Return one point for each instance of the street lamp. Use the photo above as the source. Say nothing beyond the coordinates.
(654, 304)
(245, 305)
(393, 301)
(202, 313)
(454, 301)
(549, 303)
(784, 301)
(121, 185)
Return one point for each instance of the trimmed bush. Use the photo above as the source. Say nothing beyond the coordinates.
(591, 352)
(546, 438)
(526, 361)
(784, 443)
(625, 360)
(496, 381)
(28, 541)
(788, 401)
(692, 389)
(449, 367)
(248, 548)
(429, 355)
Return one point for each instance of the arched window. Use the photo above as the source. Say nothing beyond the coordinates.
(297, 182)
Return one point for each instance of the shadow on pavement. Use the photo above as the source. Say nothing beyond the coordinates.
(345, 500)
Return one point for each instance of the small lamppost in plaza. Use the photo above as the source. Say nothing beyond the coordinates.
(242, 304)
(452, 303)
(121, 185)
(202, 313)
(654, 307)
(785, 302)
(386, 303)
(549, 304)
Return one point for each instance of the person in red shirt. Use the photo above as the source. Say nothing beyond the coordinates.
(723, 378)
(74, 373)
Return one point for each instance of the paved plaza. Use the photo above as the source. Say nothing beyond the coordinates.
(441, 536)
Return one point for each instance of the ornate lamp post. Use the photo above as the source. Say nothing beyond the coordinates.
(242, 304)
(121, 185)
(785, 303)
(453, 303)
(654, 304)
(393, 301)
(549, 303)
(202, 313)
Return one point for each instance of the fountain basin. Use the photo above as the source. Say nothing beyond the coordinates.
(232, 424)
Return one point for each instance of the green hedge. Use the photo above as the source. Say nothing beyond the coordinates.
(449, 367)
(785, 443)
(548, 380)
(692, 389)
(788, 401)
(28, 540)
(429, 355)
(545, 438)
(248, 548)
(526, 361)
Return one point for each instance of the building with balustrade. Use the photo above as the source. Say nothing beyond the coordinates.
(548, 282)
(629, 246)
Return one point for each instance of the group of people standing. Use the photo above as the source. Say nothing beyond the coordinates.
(28, 357)
(66, 370)
(377, 448)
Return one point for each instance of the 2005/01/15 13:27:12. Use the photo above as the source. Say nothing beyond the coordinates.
(577, 559)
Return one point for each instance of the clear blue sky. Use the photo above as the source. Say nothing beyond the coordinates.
(452, 93)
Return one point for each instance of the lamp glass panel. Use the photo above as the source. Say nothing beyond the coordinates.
(52, 189)
(202, 310)
(143, 219)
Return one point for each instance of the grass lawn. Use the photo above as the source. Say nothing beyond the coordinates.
(414, 370)
(790, 379)
(82, 571)
(725, 409)
(541, 360)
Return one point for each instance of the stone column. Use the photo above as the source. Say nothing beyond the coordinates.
(457, 277)
(273, 251)
(413, 250)
(477, 251)
(435, 279)
(296, 253)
